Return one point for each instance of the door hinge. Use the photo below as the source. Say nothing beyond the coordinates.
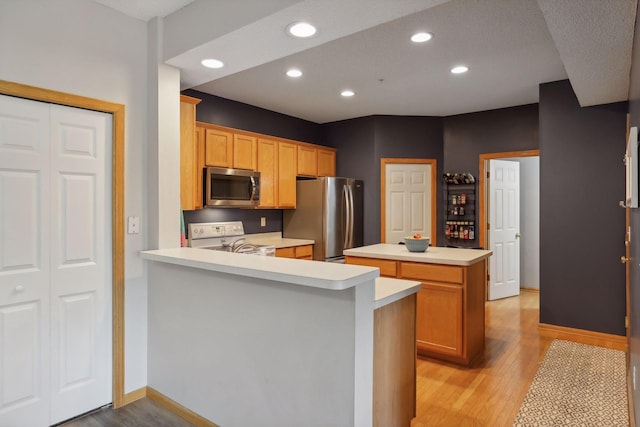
(488, 277)
(626, 322)
(488, 226)
(488, 174)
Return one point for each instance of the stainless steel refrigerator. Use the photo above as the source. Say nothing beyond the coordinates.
(329, 211)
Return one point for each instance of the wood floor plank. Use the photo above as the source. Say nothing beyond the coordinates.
(490, 392)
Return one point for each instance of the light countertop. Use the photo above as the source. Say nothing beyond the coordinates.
(433, 255)
(390, 290)
(275, 239)
(324, 275)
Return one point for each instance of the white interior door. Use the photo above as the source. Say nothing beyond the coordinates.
(80, 262)
(504, 228)
(55, 273)
(24, 263)
(408, 200)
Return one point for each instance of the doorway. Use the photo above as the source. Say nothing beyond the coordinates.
(407, 199)
(116, 236)
(529, 209)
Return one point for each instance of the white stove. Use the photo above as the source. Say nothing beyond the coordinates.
(225, 236)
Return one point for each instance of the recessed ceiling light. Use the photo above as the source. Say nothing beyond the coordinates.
(212, 63)
(301, 29)
(347, 93)
(459, 69)
(294, 73)
(421, 37)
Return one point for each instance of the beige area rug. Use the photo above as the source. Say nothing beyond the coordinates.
(577, 385)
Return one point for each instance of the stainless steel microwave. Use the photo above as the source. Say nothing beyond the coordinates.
(231, 187)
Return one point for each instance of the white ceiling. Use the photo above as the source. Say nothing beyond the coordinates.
(510, 46)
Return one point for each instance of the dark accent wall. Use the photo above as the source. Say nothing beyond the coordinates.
(362, 142)
(582, 282)
(225, 112)
(466, 136)
(634, 294)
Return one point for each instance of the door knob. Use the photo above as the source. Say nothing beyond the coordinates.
(518, 235)
(624, 259)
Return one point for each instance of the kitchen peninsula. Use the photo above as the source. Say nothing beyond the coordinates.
(450, 314)
(253, 340)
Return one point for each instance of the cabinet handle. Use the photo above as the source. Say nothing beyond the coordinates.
(624, 259)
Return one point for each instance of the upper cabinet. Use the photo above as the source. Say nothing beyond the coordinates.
(190, 170)
(218, 149)
(287, 174)
(326, 162)
(278, 160)
(244, 152)
(307, 160)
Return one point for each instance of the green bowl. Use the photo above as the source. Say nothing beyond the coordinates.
(416, 245)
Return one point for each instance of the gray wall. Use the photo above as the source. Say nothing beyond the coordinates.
(362, 142)
(582, 282)
(634, 113)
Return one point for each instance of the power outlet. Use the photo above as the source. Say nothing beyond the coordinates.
(263, 221)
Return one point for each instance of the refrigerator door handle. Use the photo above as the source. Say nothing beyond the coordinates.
(350, 216)
(345, 217)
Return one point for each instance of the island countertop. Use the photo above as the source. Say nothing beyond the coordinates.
(433, 255)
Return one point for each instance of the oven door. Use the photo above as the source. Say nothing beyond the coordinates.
(231, 187)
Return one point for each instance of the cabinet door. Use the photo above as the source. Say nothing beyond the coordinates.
(188, 156)
(326, 162)
(244, 152)
(200, 147)
(267, 166)
(307, 161)
(286, 175)
(439, 319)
(218, 148)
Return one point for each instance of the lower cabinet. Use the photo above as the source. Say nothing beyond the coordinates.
(450, 308)
(299, 252)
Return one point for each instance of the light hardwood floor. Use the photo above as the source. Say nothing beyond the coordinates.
(490, 392)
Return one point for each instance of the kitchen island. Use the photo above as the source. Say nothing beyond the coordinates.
(450, 313)
(252, 340)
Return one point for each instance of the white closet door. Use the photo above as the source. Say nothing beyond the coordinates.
(55, 262)
(24, 263)
(407, 200)
(80, 262)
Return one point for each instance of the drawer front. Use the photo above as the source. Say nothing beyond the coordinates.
(304, 251)
(286, 252)
(433, 272)
(387, 267)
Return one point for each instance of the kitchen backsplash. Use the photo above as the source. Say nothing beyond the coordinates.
(250, 218)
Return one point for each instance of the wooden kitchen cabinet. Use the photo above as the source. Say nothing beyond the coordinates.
(439, 319)
(307, 161)
(287, 167)
(388, 268)
(244, 152)
(450, 308)
(218, 148)
(298, 252)
(326, 162)
(190, 171)
(267, 160)
(450, 316)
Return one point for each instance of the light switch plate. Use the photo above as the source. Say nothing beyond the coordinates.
(133, 225)
(263, 221)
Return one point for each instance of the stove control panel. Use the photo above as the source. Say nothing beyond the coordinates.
(210, 230)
